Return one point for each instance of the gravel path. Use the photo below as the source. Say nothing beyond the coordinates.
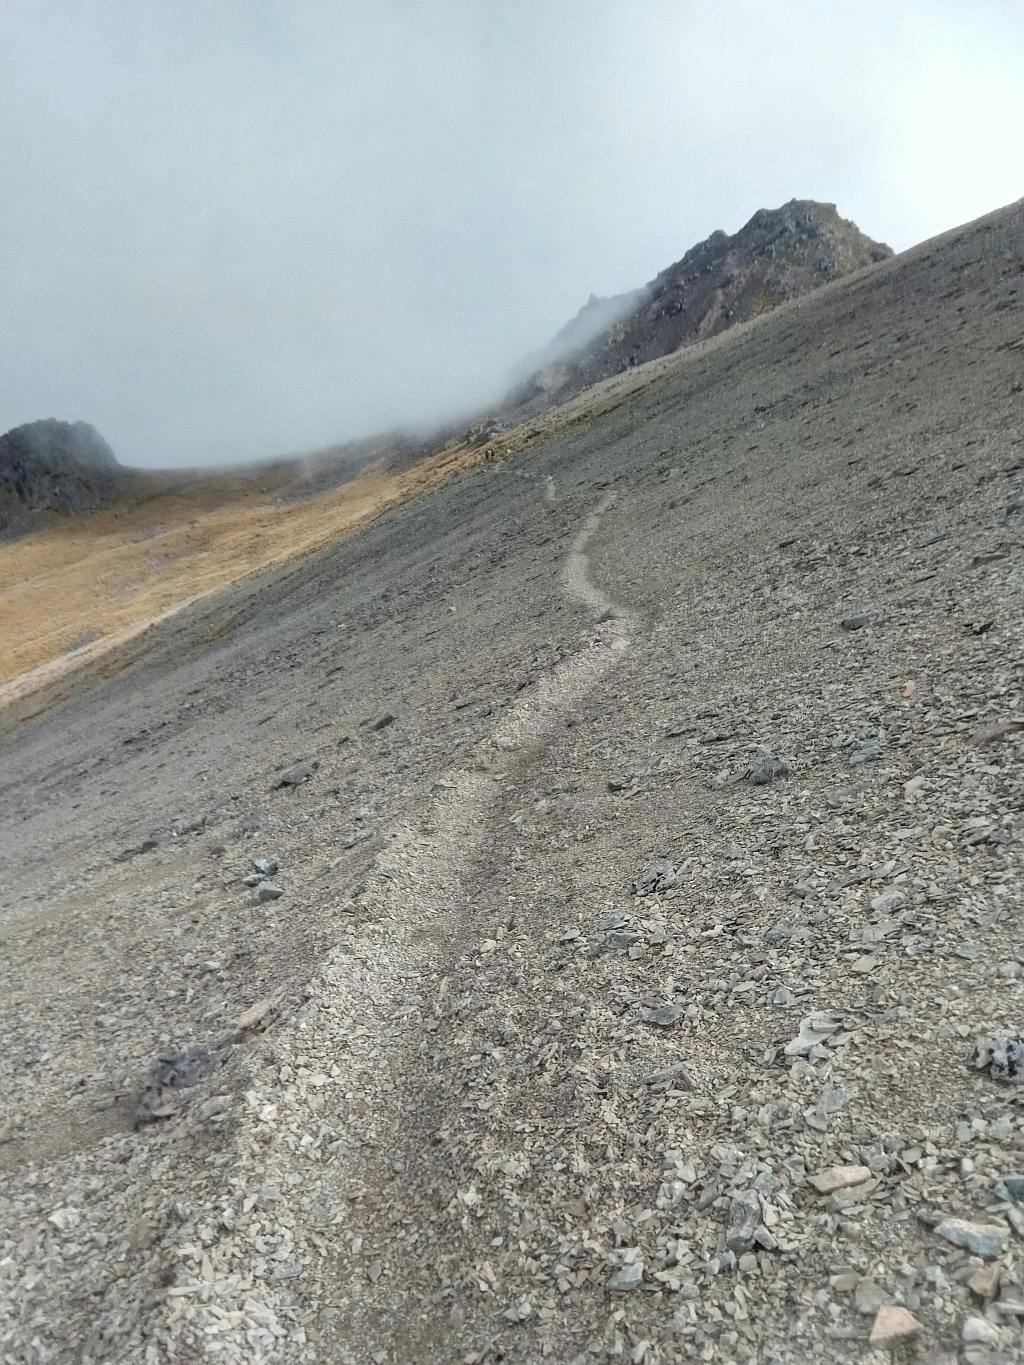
(647, 816)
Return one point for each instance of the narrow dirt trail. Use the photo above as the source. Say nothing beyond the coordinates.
(337, 1092)
(576, 580)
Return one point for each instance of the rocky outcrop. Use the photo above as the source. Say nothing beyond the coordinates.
(54, 466)
(780, 254)
(597, 316)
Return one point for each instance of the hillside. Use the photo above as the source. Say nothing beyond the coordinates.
(113, 549)
(645, 805)
(778, 255)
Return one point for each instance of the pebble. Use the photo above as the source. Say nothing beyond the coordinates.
(268, 891)
(857, 622)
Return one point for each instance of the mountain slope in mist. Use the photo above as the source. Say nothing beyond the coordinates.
(155, 540)
(597, 316)
(779, 254)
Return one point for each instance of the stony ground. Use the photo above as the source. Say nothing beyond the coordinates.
(649, 868)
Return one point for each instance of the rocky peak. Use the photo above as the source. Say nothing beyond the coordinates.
(778, 255)
(54, 466)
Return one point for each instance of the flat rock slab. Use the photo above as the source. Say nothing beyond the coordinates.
(987, 1240)
(893, 1326)
(839, 1178)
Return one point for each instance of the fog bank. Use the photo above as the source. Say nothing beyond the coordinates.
(233, 230)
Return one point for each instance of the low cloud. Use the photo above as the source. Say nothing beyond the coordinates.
(229, 231)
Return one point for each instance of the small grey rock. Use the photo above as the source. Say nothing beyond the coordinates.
(815, 1029)
(627, 1278)
(619, 939)
(296, 775)
(867, 751)
(676, 1072)
(216, 1107)
(1014, 1186)
(267, 891)
(857, 622)
(663, 1016)
(869, 1297)
(660, 876)
(622, 783)
(612, 921)
(179, 1072)
(266, 867)
(744, 1220)
(766, 770)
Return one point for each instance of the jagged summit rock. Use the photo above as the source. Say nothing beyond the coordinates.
(778, 255)
(54, 466)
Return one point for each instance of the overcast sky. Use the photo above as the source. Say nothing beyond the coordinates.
(233, 228)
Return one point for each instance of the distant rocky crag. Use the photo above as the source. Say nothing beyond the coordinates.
(53, 466)
(779, 255)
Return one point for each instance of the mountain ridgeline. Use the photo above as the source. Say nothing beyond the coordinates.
(67, 467)
(779, 255)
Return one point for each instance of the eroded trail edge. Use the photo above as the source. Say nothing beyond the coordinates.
(334, 1090)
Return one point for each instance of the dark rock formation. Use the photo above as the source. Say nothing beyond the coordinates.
(780, 254)
(54, 466)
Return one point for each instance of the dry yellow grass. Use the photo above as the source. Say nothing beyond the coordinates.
(80, 586)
